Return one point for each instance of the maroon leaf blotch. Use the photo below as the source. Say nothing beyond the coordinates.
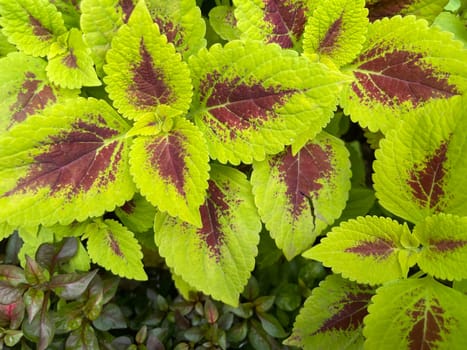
(396, 76)
(446, 245)
(149, 87)
(167, 155)
(427, 179)
(379, 248)
(128, 207)
(211, 231)
(327, 45)
(30, 100)
(288, 19)
(114, 245)
(172, 31)
(302, 172)
(387, 8)
(127, 7)
(70, 60)
(39, 30)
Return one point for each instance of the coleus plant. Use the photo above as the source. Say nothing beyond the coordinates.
(117, 119)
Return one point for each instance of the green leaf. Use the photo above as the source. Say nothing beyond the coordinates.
(271, 325)
(113, 247)
(251, 99)
(427, 9)
(83, 338)
(272, 21)
(32, 25)
(224, 23)
(332, 317)
(336, 31)
(40, 330)
(444, 246)
(404, 66)
(25, 89)
(67, 164)
(299, 196)
(33, 300)
(70, 10)
(420, 167)
(416, 314)
(367, 250)
(70, 64)
(110, 318)
(12, 275)
(360, 201)
(452, 23)
(5, 46)
(172, 170)
(137, 214)
(218, 257)
(144, 73)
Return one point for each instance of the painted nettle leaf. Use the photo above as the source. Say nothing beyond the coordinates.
(25, 89)
(416, 314)
(137, 214)
(418, 174)
(404, 66)
(250, 99)
(171, 170)
(298, 196)
(32, 25)
(144, 72)
(427, 9)
(216, 258)
(273, 21)
(336, 31)
(224, 23)
(332, 317)
(68, 163)
(368, 250)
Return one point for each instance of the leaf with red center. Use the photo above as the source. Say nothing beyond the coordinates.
(336, 31)
(427, 9)
(273, 21)
(367, 249)
(32, 25)
(444, 246)
(418, 174)
(416, 314)
(171, 170)
(137, 214)
(25, 89)
(404, 66)
(305, 192)
(113, 247)
(251, 99)
(67, 164)
(332, 317)
(145, 75)
(217, 257)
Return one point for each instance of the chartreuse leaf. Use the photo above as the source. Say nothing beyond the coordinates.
(444, 246)
(181, 22)
(367, 250)
(421, 165)
(5, 46)
(404, 66)
(336, 31)
(251, 99)
(137, 214)
(25, 89)
(5, 230)
(70, 64)
(272, 21)
(427, 9)
(416, 314)
(171, 170)
(67, 164)
(218, 257)
(144, 73)
(32, 25)
(224, 23)
(299, 196)
(115, 248)
(70, 10)
(332, 317)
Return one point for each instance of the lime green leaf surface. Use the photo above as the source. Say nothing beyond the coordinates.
(137, 214)
(427, 9)
(25, 89)
(299, 196)
(421, 165)
(367, 250)
(68, 164)
(223, 21)
(404, 66)
(416, 314)
(32, 25)
(452, 23)
(218, 257)
(5, 46)
(114, 247)
(336, 31)
(251, 99)
(70, 10)
(272, 21)
(171, 170)
(144, 71)
(332, 317)
(444, 246)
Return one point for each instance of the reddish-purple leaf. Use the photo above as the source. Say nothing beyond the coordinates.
(126, 7)
(333, 34)
(39, 29)
(171, 30)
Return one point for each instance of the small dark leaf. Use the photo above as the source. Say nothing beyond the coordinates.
(33, 298)
(210, 311)
(45, 256)
(13, 275)
(193, 334)
(111, 317)
(154, 343)
(251, 290)
(259, 339)
(225, 321)
(9, 294)
(264, 303)
(244, 310)
(40, 330)
(271, 325)
(83, 338)
(12, 337)
(71, 286)
(238, 332)
(11, 315)
(288, 297)
(141, 335)
(68, 317)
(110, 286)
(67, 250)
(34, 273)
(95, 298)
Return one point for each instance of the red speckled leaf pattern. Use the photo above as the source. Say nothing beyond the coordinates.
(427, 9)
